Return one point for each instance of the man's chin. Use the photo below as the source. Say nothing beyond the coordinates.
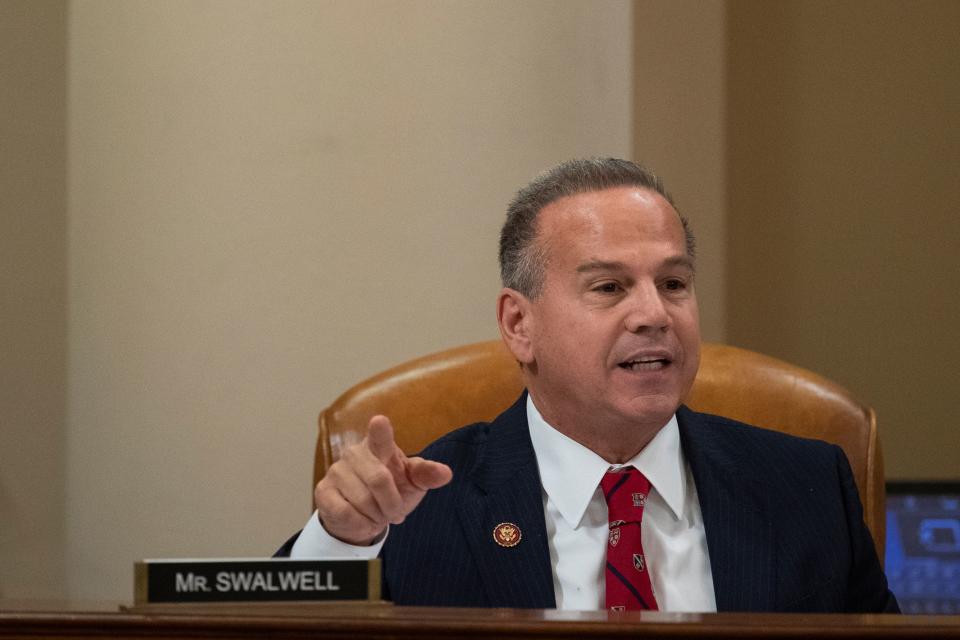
(652, 410)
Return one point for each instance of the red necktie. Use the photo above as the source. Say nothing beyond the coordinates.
(628, 583)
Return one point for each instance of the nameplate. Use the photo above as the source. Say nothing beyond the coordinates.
(255, 580)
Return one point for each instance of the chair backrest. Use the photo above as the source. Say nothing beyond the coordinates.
(429, 396)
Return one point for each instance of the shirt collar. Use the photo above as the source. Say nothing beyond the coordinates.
(570, 473)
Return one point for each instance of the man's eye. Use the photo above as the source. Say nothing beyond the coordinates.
(607, 287)
(674, 285)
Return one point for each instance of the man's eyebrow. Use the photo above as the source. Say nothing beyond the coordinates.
(680, 261)
(601, 265)
(615, 265)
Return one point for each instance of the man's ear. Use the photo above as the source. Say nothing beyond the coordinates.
(514, 315)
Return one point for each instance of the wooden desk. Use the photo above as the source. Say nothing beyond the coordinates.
(356, 621)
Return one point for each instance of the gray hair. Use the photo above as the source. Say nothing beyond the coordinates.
(522, 259)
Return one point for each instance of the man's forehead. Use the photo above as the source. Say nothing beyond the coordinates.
(606, 210)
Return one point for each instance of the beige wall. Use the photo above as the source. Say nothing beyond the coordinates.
(270, 201)
(843, 156)
(679, 92)
(33, 315)
(815, 147)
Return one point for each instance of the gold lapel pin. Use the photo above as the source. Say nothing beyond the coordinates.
(507, 534)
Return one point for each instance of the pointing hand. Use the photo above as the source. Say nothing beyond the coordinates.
(374, 484)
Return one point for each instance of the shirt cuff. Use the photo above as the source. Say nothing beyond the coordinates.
(315, 542)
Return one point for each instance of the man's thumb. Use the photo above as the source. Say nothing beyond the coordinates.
(427, 474)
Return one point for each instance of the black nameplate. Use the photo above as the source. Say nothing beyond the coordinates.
(259, 580)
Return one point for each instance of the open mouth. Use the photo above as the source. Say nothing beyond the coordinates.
(645, 364)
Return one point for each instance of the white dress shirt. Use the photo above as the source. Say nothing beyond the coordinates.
(674, 541)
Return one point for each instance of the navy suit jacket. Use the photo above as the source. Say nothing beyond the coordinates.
(783, 520)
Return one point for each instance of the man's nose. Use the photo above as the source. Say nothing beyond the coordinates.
(647, 311)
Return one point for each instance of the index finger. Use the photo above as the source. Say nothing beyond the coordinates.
(380, 438)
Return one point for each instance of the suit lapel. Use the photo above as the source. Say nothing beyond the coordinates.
(505, 488)
(736, 517)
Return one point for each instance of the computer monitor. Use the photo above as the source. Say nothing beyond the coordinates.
(923, 546)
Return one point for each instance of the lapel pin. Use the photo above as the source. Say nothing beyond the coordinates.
(507, 534)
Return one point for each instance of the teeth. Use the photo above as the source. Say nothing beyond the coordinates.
(644, 365)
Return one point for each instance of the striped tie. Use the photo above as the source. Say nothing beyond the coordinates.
(628, 582)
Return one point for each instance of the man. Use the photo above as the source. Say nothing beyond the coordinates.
(598, 488)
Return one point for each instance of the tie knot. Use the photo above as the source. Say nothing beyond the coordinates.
(626, 493)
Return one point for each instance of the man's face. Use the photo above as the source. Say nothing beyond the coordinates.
(614, 336)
